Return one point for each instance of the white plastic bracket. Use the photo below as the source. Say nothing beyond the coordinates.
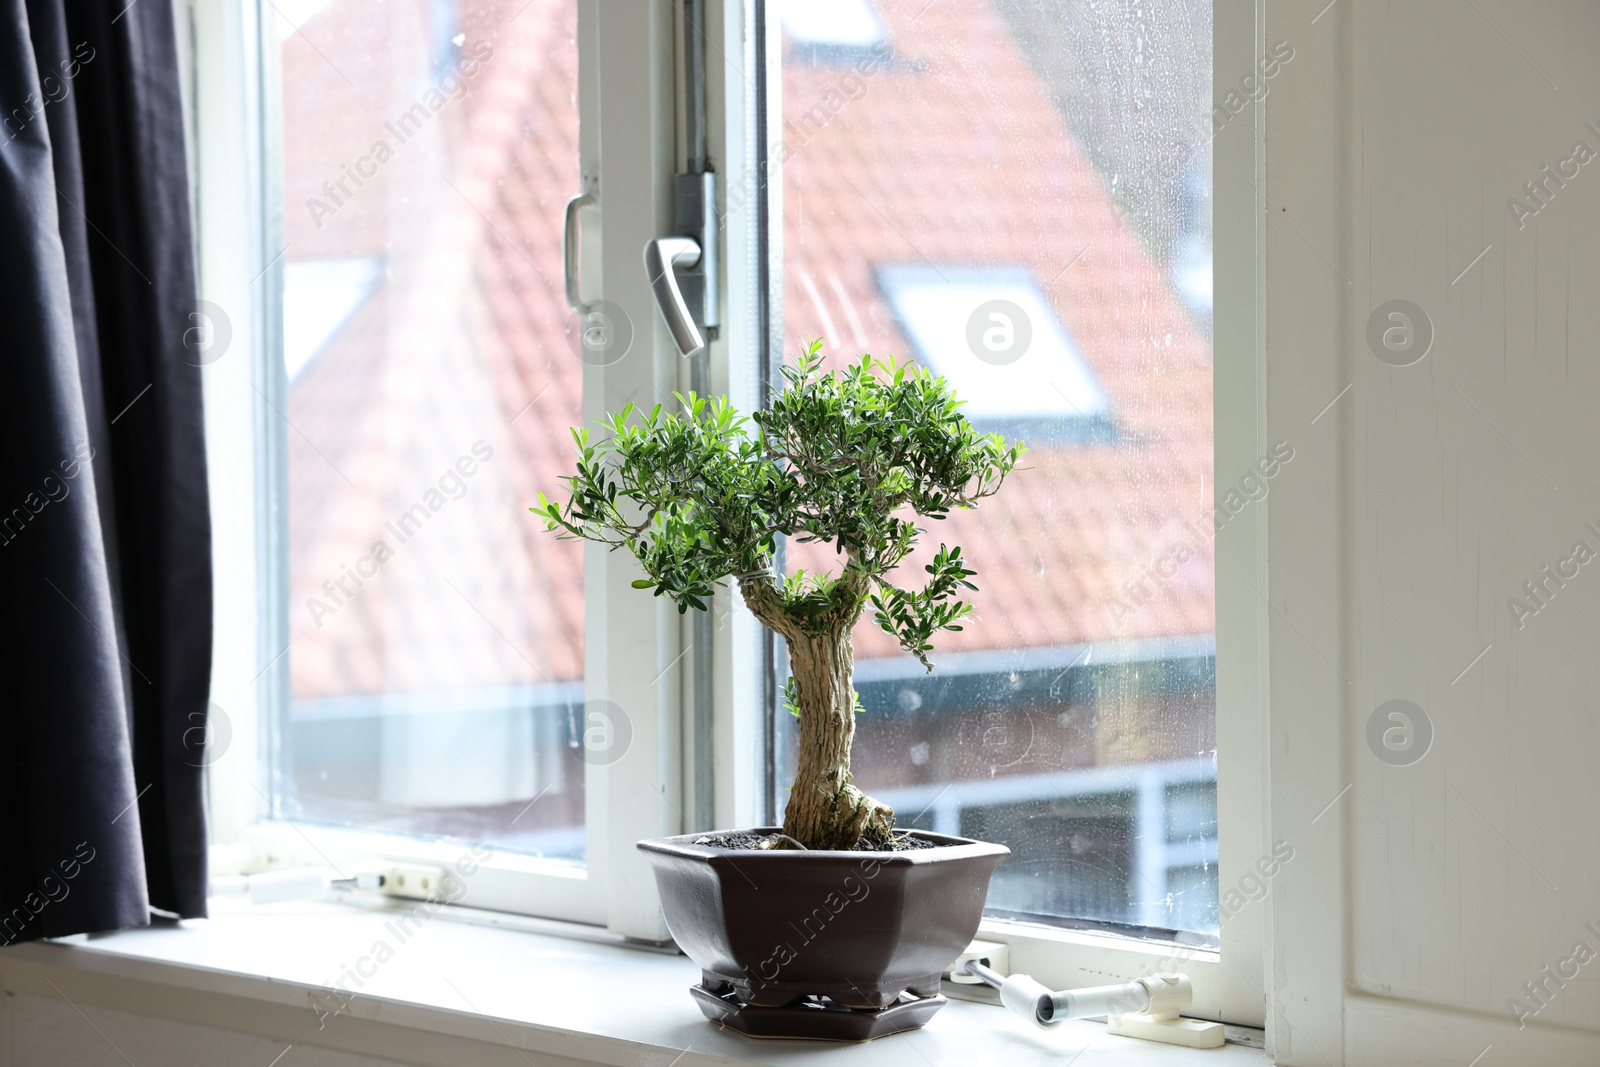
(1169, 1029)
(1149, 1008)
(1169, 994)
(995, 955)
(419, 881)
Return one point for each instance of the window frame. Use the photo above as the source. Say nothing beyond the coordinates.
(629, 65)
(1229, 979)
(626, 66)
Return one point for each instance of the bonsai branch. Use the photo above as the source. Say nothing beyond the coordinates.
(839, 457)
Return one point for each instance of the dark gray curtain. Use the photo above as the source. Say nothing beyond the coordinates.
(105, 558)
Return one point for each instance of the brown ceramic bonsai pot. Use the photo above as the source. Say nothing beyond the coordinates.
(822, 944)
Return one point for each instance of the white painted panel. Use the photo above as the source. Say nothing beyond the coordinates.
(1431, 882)
(1472, 470)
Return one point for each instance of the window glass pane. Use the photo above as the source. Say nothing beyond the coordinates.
(435, 628)
(1016, 194)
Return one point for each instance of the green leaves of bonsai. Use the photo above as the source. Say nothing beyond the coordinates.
(845, 457)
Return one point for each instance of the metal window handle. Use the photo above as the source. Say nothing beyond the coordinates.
(662, 257)
(570, 257)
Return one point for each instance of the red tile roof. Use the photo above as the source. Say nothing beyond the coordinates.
(954, 155)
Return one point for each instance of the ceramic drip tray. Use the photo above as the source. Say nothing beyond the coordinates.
(817, 1018)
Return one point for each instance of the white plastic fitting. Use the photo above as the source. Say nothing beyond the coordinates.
(1134, 996)
(995, 955)
(1029, 999)
(276, 887)
(1146, 1008)
(1169, 995)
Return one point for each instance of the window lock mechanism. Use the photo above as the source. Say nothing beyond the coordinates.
(683, 268)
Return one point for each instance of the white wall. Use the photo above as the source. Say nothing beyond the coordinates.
(1424, 898)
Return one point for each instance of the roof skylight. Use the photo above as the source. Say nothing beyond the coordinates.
(319, 296)
(994, 336)
(833, 24)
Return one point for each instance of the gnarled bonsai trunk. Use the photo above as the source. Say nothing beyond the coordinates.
(825, 811)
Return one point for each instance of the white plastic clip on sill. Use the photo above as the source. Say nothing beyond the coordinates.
(1147, 1008)
(276, 887)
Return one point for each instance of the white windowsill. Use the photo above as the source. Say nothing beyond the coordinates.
(260, 971)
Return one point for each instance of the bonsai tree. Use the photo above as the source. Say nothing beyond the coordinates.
(848, 458)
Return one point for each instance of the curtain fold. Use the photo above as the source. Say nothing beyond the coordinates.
(105, 559)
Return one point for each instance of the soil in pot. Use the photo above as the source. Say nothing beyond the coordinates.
(763, 842)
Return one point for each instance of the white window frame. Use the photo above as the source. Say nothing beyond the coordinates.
(1229, 980)
(628, 56)
(626, 67)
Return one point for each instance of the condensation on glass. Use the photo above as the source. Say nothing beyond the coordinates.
(1016, 194)
(436, 658)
